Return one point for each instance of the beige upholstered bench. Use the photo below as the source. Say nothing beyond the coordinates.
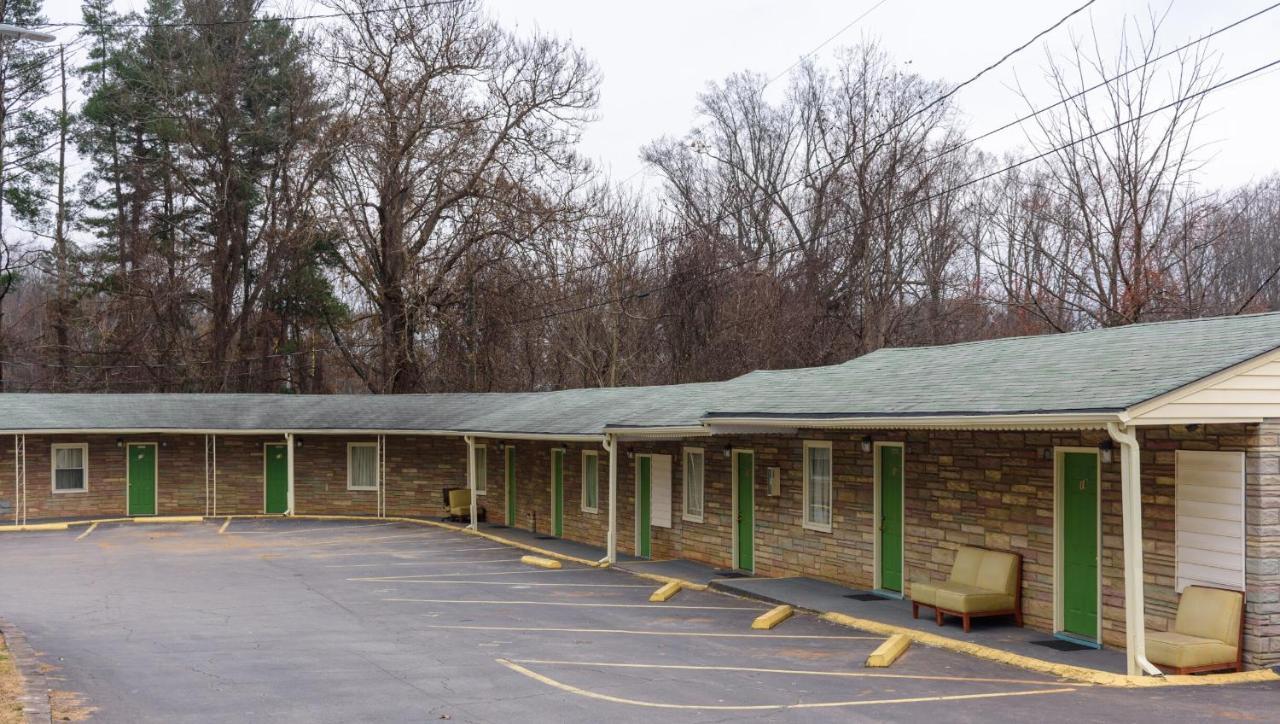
(1207, 633)
(982, 583)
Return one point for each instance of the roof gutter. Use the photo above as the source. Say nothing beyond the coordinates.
(1067, 421)
(658, 432)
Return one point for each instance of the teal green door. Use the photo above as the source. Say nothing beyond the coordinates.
(745, 515)
(276, 491)
(557, 493)
(142, 478)
(511, 485)
(1080, 544)
(891, 518)
(644, 505)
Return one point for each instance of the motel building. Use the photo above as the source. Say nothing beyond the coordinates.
(1120, 464)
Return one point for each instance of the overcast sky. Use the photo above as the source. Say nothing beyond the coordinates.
(656, 56)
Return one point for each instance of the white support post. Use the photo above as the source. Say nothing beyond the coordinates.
(611, 444)
(1135, 624)
(214, 449)
(206, 476)
(382, 476)
(471, 478)
(17, 489)
(24, 479)
(288, 439)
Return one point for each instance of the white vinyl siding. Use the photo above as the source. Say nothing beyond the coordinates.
(590, 481)
(817, 486)
(660, 491)
(1209, 519)
(694, 470)
(70, 468)
(1251, 391)
(482, 469)
(362, 466)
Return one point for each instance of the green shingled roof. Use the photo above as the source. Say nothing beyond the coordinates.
(1105, 370)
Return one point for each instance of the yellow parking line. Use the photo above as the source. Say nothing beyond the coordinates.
(88, 530)
(225, 523)
(764, 707)
(567, 603)
(800, 672)
(634, 632)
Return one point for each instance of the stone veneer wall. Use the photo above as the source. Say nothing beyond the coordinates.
(1262, 547)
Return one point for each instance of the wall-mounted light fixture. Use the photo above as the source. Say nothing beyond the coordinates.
(728, 451)
(1106, 448)
(1193, 427)
(297, 442)
(866, 443)
(630, 454)
(119, 442)
(1046, 453)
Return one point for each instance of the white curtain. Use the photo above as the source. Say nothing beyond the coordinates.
(820, 485)
(364, 466)
(68, 466)
(693, 483)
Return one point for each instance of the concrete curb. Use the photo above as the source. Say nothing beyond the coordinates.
(1065, 671)
(35, 685)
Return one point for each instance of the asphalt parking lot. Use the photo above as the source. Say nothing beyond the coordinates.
(341, 621)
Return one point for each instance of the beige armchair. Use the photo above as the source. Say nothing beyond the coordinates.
(1207, 633)
(982, 583)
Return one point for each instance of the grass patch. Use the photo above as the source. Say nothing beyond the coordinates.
(10, 688)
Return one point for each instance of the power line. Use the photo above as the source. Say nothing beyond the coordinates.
(720, 270)
(945, 152)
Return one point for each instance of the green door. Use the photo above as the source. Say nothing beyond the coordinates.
(891, 518)
(1080, 544)
(142, 478)
(557, 493)
(277, 480)
(511, 485)
(746, 512)
(644, 505)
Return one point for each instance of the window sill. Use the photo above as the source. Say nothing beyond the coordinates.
(692, 518)
(70, 491)
(593, 511)
(357, 489)
(817, 527)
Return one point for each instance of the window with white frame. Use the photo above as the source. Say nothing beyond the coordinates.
(362, 466)
(590, 481)
(693, 468)
(817, 486)
(482, 469)
(70, 468)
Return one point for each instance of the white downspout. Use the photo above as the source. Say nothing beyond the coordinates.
(611, 544)
(1135, 625)
(471, 478)
(206, 476)
(288, 439)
